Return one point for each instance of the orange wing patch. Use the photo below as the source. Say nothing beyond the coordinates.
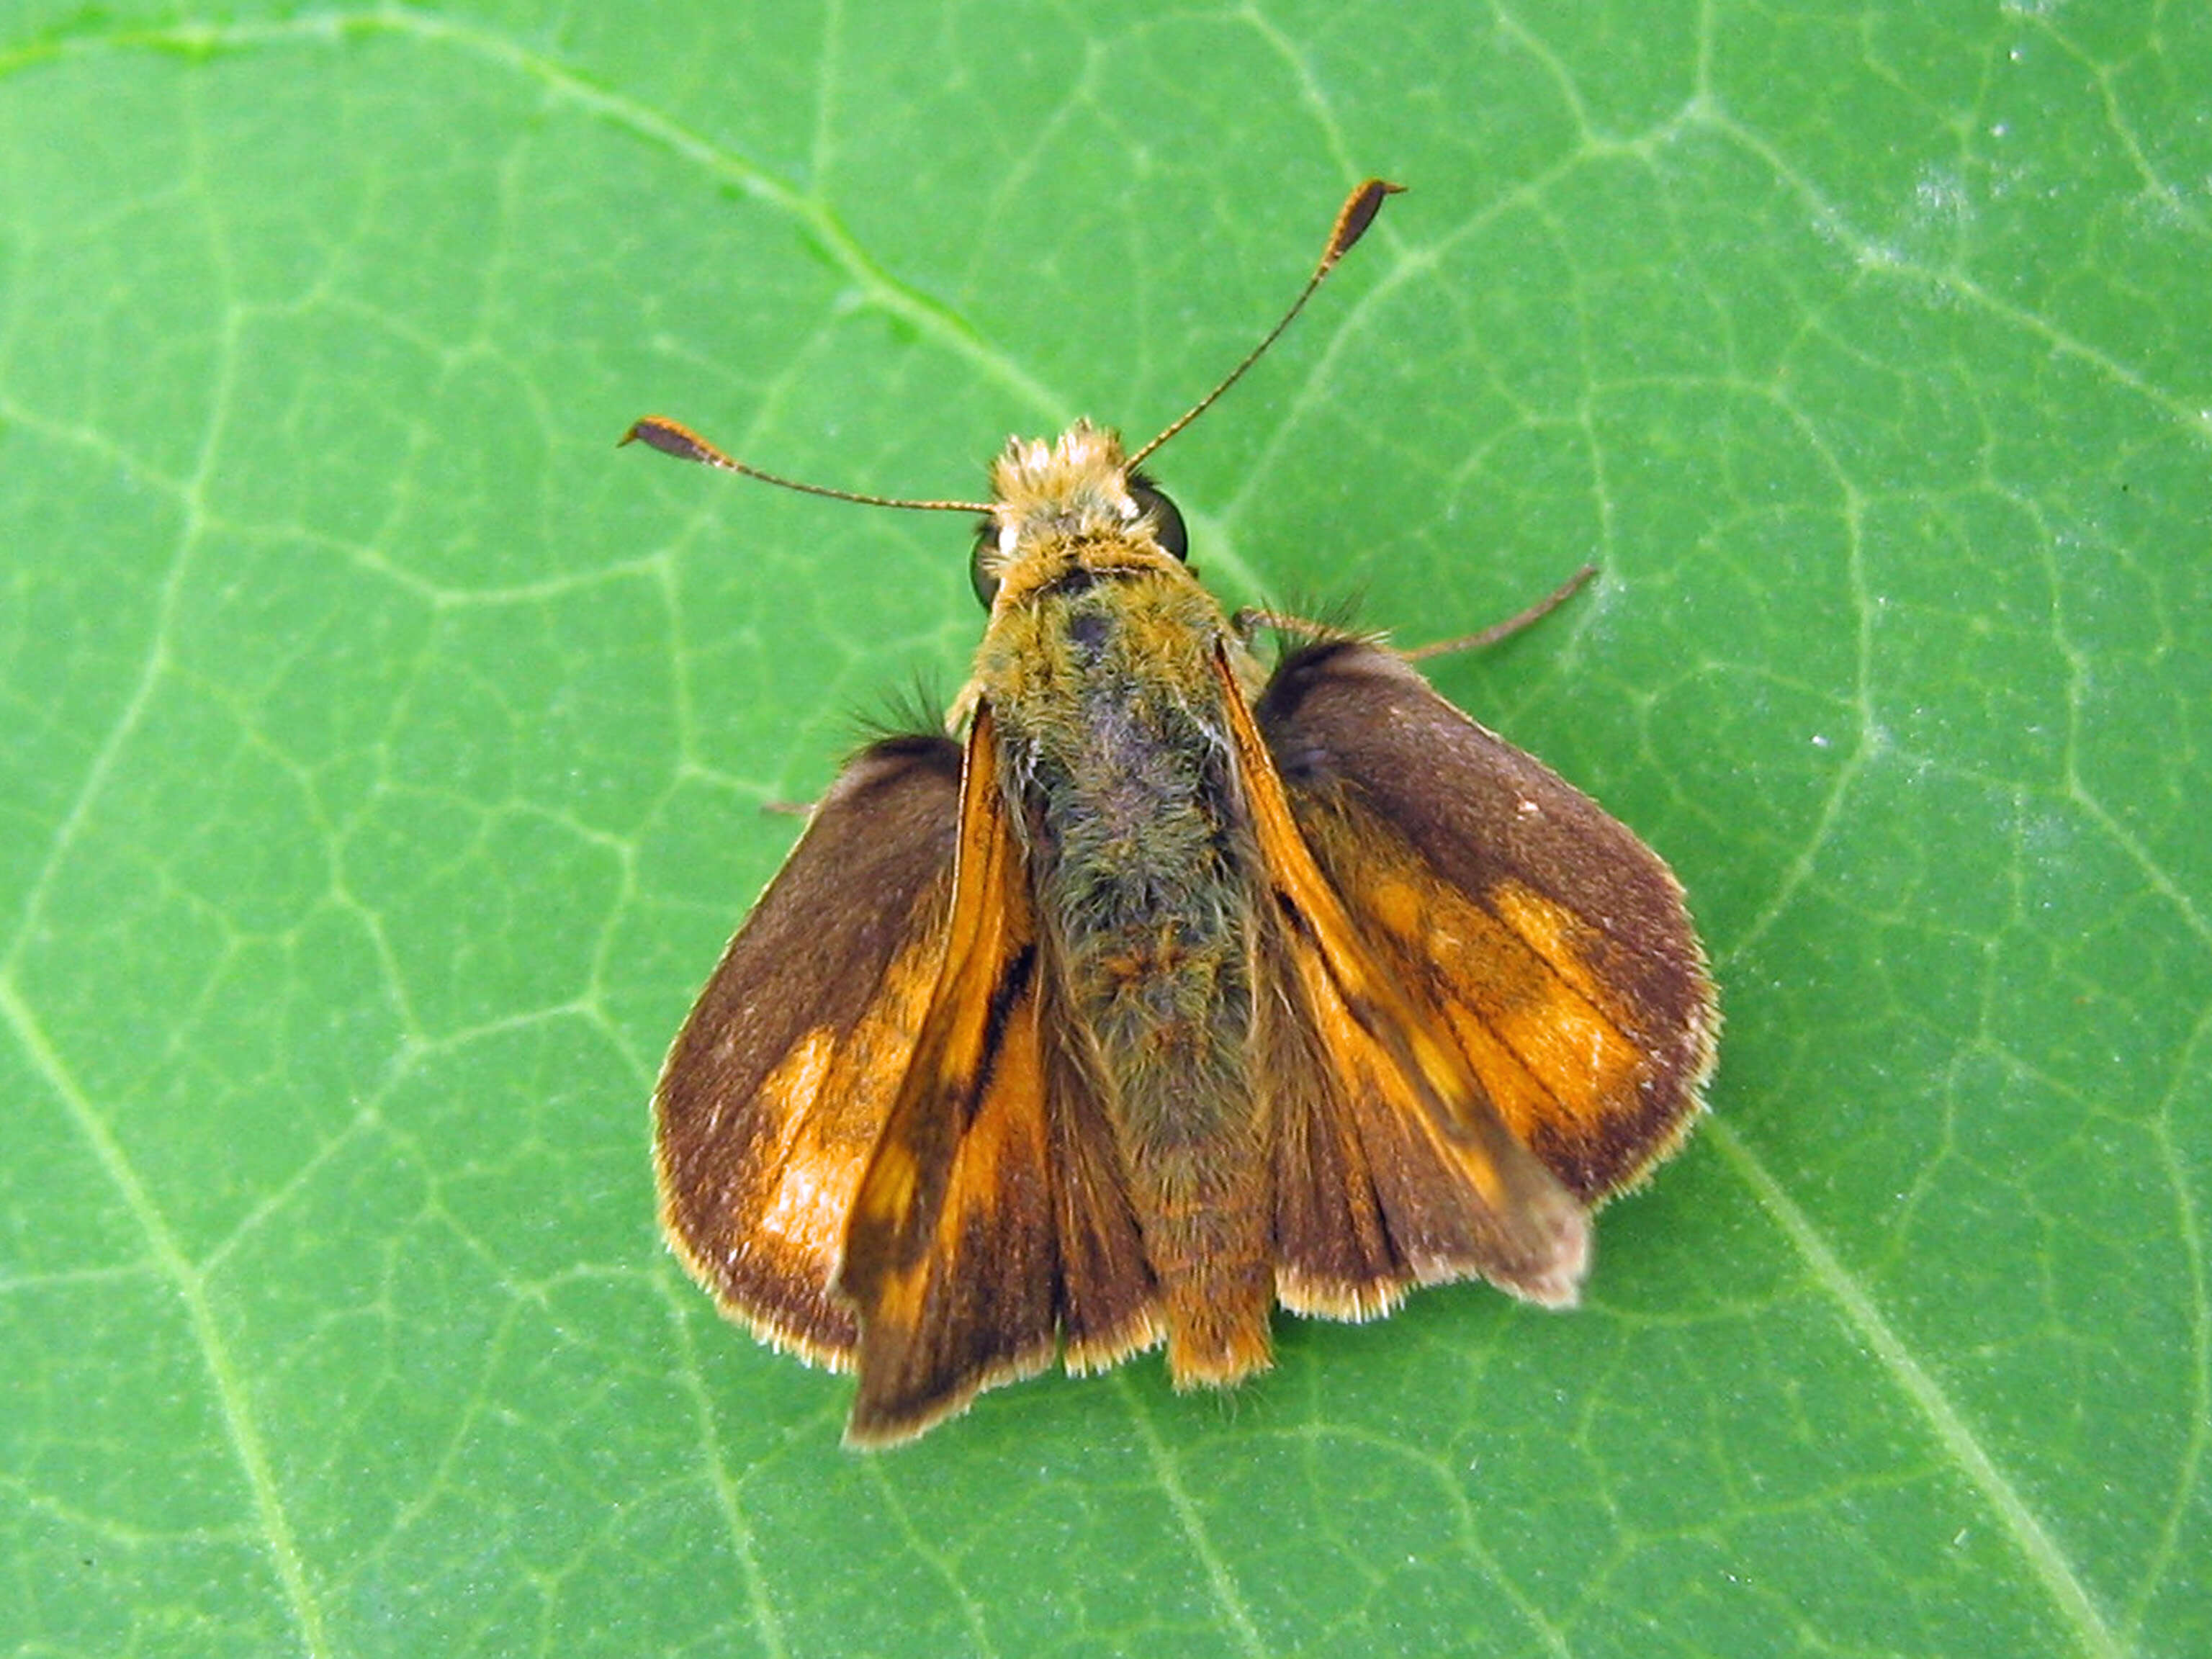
(1549, 1040)
(824, 1109)
(1518, 979)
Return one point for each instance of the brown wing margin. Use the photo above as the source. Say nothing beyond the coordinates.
(1393, 1166)
(1556, 943)
(990, 1219)
(775, 1091)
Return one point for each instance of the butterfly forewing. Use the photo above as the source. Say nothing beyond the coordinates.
(1392, 1098)
(991, 1215)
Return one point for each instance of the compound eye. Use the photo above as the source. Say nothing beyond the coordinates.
(1167, 523)
(982, 565)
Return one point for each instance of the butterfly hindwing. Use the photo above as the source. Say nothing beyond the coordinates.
(1553, 942)
(1109, 1305)
(777, 1088)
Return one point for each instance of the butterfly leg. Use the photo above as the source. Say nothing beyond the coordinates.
(1512, 625)
(1251, 622)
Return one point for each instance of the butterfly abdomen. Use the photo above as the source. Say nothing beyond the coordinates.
(1141, 864)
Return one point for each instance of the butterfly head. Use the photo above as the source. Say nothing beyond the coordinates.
(1073, 504)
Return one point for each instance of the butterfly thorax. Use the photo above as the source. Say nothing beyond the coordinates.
(1099, 668)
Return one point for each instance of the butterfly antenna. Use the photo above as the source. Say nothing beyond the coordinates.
(681, 442)
(1352, 221)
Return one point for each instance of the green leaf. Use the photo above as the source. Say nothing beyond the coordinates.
(384, 753)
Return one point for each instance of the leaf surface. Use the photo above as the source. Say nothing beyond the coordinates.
(383, 756)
